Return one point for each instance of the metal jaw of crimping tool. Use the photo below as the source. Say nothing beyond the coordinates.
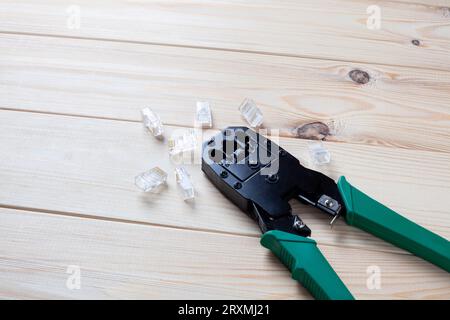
(260, 178)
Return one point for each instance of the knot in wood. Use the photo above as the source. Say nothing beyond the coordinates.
(359, 76)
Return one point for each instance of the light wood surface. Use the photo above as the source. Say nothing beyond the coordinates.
(327, 29)
(72, 141)
(400, 106)
(127, 260)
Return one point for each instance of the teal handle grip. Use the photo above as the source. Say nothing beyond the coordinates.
(307, 265)
(371, 216)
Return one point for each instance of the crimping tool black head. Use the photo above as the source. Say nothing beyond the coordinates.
(261, 178)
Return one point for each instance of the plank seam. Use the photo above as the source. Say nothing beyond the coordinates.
(50, 113)
(143, 223)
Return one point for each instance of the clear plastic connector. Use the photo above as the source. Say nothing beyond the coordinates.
(203, 117)
(318, 153)
(251, 113)
(152, 180)
(152, 122)
(183, 143)
(184, 183)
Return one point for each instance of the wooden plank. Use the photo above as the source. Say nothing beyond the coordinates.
(124, 261)
(327, 29)
(403, 107)
(87, 167)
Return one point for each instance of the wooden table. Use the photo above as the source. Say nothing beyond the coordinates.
(74, 76)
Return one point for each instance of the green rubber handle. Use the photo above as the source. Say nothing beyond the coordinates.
(371, 216)
(307, 265)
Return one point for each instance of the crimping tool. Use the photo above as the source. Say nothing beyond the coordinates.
(260, 178)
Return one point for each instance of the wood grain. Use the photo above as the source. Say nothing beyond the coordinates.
(87, 167)
(123, 261)
(402, 107)
(326, 29)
